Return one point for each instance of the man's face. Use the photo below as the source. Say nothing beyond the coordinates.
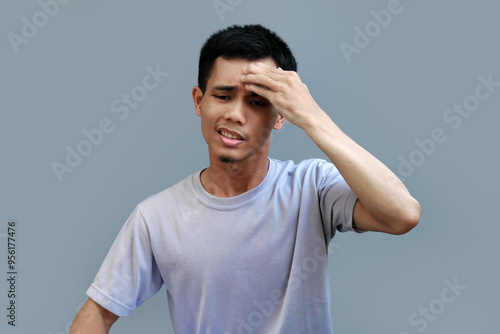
(236, 123)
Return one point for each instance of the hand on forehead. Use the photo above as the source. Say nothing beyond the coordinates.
(259, 66)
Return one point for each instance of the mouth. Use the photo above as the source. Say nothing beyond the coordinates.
(230, 138)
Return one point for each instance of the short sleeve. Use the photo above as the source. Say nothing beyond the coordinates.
(336, 199)
(129, 274)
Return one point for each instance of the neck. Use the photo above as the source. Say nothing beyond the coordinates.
(231, 179)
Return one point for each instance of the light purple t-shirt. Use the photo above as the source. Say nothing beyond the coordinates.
(253, 263)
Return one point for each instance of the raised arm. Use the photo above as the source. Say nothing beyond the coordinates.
(92, 319)
(384, 204)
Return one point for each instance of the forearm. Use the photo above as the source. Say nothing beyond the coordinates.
(381, 192)
(89, 321)
(384, 198)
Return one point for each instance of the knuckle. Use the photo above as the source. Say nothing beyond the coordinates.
(288, 80)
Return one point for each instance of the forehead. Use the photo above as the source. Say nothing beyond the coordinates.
(229, 71)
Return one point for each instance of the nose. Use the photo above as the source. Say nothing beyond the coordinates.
(237, 112)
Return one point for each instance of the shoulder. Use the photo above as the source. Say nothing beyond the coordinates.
(309, 168)
(169, 197)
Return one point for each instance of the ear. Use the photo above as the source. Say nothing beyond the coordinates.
(197, 96)
(280, 120)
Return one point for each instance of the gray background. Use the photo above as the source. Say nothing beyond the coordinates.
(393, 92)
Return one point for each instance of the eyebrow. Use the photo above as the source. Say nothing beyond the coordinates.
(229, 88)
(225, 88)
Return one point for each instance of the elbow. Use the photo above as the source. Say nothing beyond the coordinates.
(408, 219)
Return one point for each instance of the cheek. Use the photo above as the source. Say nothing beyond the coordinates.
(204, 122)
(206, 127)
(269, 119)
(263, 135)
(264, 127)
(211, 110)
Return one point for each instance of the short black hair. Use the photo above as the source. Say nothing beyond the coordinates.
(250, 42)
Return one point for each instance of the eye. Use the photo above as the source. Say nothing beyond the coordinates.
(222, 97)
(258, 103)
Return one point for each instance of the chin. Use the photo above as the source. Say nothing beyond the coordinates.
(227, 160)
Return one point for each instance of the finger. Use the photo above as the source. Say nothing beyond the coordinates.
(261, 68)
(259, 90)
(260, 79)
(272, 69)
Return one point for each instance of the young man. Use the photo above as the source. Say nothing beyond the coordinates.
(242, 245)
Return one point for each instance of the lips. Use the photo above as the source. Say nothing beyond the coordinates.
(230, 138)
(230, 134)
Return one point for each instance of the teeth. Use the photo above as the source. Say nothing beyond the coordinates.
(228, 135)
